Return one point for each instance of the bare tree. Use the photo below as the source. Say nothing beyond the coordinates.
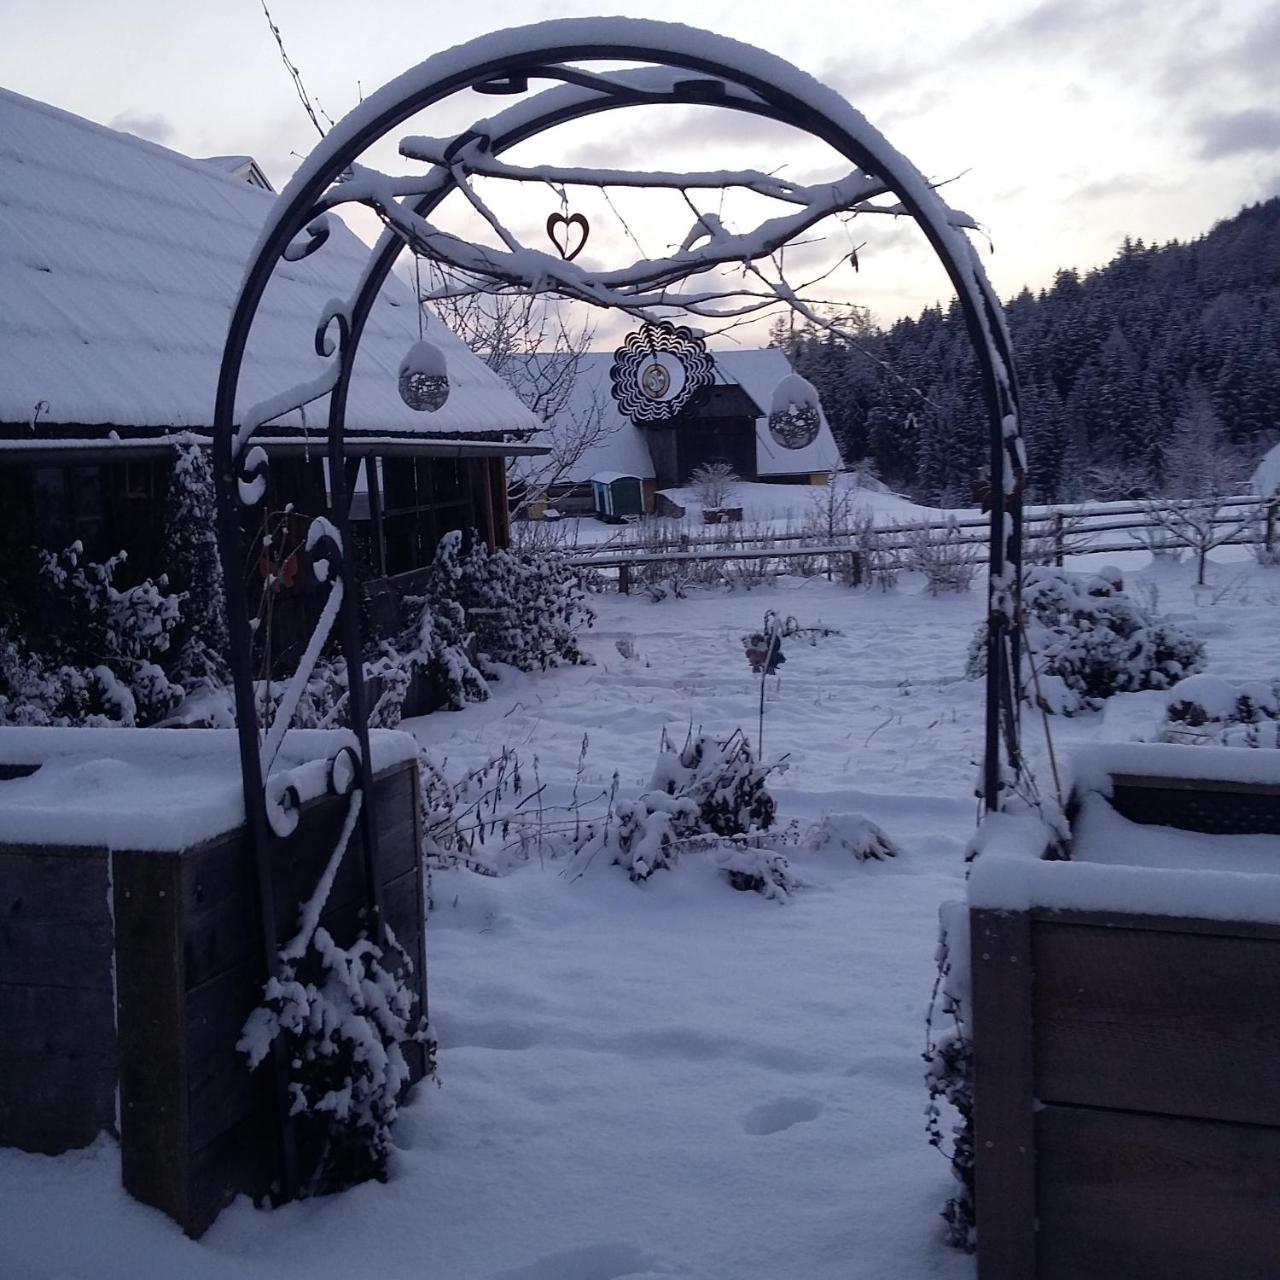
(529, 343)
(1200, 524)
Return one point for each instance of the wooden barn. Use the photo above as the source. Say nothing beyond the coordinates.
(590, 436)
(119, 264)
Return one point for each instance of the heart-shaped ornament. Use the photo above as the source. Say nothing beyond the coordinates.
(558, 223)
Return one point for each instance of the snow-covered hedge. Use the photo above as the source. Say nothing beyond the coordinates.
(1089, 640)
(525, 609)
(200, 639)
(101, 647)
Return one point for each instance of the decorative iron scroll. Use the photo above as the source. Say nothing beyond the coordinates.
(658, 370)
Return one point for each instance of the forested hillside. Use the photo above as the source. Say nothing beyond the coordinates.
(1159, 372)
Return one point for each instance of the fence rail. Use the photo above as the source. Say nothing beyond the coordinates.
(1063, 530)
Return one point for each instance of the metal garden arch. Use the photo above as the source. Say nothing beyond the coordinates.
(676, 65)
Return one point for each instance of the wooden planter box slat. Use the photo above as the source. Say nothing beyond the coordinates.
(57, 1021)
(1149, 1196)
(196, 1127)
(1152, 1020)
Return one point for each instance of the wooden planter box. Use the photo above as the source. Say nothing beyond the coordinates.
(126, 976)
(1127, 1062)
(722, 515)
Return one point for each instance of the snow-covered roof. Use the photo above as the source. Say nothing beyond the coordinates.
(119, 264)
(622, 447)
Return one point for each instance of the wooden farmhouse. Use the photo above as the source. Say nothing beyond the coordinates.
(119, 264)
(727, 423)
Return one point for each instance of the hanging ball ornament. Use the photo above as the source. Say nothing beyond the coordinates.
(794, 416)
(424, 379)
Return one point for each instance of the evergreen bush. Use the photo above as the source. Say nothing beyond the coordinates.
(1089, 640)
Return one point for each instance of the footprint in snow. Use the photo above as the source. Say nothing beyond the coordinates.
(780, 1114)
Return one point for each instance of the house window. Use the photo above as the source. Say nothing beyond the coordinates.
(139, 480)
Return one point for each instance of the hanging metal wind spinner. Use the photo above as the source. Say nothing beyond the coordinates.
(658, 370)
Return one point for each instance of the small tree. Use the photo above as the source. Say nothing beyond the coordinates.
(200, 640)
(1200, 524)
(536, 348)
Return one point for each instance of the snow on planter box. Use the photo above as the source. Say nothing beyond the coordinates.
(130, 948)
(1126, 1025)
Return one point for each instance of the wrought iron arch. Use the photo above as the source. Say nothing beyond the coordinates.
(681, 66)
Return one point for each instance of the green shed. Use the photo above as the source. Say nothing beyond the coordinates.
(616, 495)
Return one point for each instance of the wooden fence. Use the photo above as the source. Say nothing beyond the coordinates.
(1050, 533)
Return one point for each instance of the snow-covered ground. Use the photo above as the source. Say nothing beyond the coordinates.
(673, 1079)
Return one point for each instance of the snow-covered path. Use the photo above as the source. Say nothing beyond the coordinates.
(673, 1079)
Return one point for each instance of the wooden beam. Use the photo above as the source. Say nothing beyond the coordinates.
(1004, 1137)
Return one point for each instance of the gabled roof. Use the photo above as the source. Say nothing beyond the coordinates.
(623, 449)
(242, 167)
(119, 264)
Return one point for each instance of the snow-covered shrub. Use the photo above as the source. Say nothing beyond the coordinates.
(752, 870)
(949, 1070)
(1206, 710)
(343, 1016)
(663, 583)
(525, 609)
(705, 793)
(946, 557)
(713, 484)
(879, 559)
(200, 642)
(853, 834)
(437, 642)
(644, 831)
(1089, 640)
(723, 780)
(100, 651)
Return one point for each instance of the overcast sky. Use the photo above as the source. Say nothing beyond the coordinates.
(1074, 122)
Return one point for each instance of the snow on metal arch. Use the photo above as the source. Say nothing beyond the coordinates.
(682, 65)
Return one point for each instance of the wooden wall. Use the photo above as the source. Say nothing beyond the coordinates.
(57, 1024)
(1127, 1073)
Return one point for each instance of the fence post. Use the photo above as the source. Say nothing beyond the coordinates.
(1057, 539)
(1269, 537)
(624, 579)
